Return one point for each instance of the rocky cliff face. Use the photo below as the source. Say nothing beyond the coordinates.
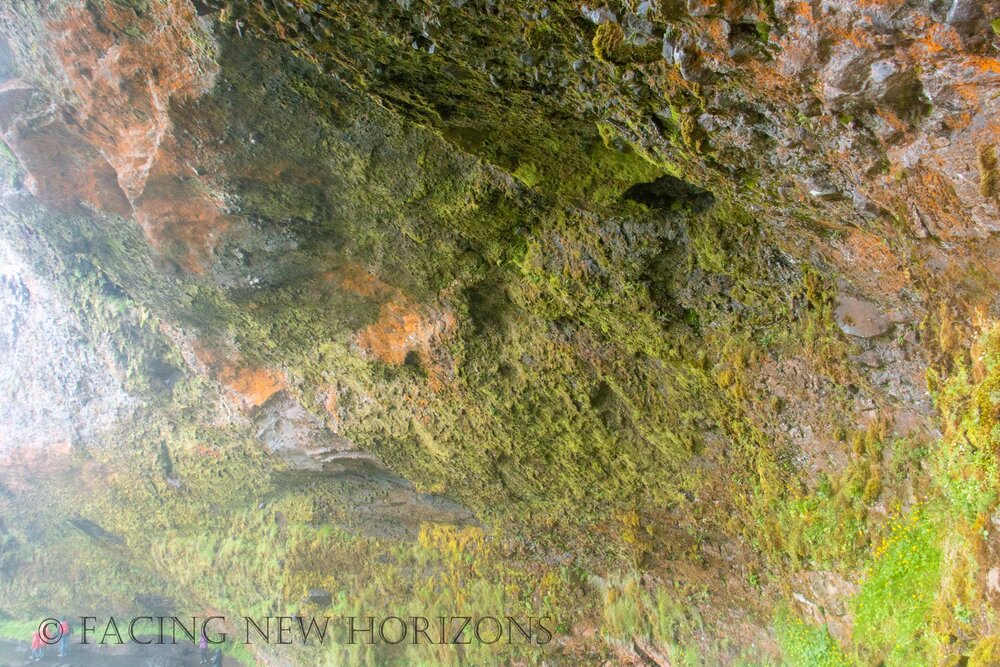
(673, 321)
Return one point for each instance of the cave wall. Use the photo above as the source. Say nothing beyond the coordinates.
(678, 317)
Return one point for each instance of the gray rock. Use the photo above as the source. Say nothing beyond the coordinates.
(320, 597)
(300, 438)
(821, 188)
(96, 532)
(898, 89)
(41, 355)
(966, 16)
(599, 15)
(698, 8)
(860, 318)
(846, 73)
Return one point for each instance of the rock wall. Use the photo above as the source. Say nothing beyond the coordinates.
(679, 316)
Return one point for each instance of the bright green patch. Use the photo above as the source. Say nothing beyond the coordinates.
(893, 608)
(805, 645)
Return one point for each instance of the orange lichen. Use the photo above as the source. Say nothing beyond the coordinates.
(958, 121)
(803, 9)
(119, 150)
(253, 385)
(330, 404)
(398, 331)
(969, 92)
(985, 64)
(881, 3)
(717, 31)
(180, 219)
(891, 119)
(941, 210)
(406, 333)
(203, 450)
(63, 170)
(357, 280)
(858, 38)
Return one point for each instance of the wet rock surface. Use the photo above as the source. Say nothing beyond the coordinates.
(48, 392)
(864, 319)
(656, 289)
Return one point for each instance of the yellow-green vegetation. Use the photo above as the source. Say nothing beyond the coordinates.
(609, 43)
(965, 463)
(893, 608)
(919, 583)
(829, 527)
(986, 652)
(805, 645)
(446, 571)
(17, 630)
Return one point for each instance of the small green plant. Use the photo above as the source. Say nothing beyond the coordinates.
(805, 645)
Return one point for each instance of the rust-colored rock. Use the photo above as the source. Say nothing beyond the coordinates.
(122, 85)
(119, 73)
(253, 385)
(250, 386)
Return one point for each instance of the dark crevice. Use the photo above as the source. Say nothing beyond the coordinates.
(670, 193)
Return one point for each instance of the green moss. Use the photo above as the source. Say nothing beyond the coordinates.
(541, 34)
(597, 371)
(609, 43)
(138, 6)
(989, 180)
(663, 618)
(671, 10)
(528, 174)
(686, 105)
(965, 469)
(726, 241)
(608, 172)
